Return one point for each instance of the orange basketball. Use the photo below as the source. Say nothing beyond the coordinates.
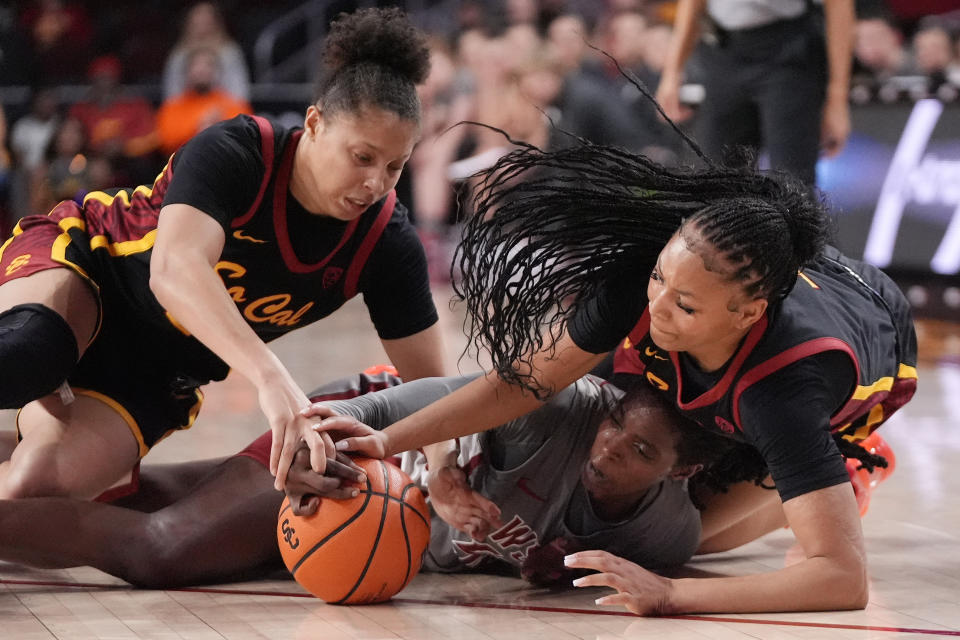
(361, 550)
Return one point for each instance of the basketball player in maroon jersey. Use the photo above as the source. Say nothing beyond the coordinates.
(128, 303)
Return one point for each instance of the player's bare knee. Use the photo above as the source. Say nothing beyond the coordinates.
(27, 480)
(38, 351)
(156, 558)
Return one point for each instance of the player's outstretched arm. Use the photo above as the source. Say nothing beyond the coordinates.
(832, 575)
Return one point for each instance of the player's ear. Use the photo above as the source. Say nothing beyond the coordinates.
(681, 472)
(313, 122)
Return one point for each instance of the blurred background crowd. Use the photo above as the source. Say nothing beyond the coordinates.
(97, 93)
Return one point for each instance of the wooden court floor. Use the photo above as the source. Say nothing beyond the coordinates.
(912, 532)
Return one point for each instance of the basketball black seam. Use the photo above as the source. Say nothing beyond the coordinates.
(376, 541)
(401, 500)
(406, 536)
(343, 526)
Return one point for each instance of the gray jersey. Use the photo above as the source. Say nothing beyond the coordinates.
(530, 467)
(748, 14)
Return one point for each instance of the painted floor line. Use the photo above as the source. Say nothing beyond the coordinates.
(454, 602)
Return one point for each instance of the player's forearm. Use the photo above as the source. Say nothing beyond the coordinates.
(840, 18)
(483, 404)
(815, 584)
(686, 31)
(192, 293)
(383, 408)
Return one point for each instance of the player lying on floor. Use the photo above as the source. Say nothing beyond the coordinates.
(613, 478)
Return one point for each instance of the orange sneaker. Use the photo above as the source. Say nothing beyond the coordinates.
(880, 447)
(863, 481)
(381, 368)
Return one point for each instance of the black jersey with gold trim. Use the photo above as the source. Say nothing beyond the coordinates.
(111, 237)
(838, 304)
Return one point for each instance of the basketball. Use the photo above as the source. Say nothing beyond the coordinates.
(360, 550)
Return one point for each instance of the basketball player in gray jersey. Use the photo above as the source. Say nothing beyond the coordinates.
(589, 470)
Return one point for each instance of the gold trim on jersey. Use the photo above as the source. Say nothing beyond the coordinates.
(107, 200)
(876, 414)
(121, 410)
(191, 417)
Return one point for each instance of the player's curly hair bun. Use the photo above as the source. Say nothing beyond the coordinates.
(383, 37)
(374, 57)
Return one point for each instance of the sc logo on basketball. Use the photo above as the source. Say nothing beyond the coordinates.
(288, 533)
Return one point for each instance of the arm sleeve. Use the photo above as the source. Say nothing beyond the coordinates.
(219, 170)
(787, 418)
(395, 283)
(382, 408)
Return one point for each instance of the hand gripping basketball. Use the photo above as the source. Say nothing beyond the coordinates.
(360, 550)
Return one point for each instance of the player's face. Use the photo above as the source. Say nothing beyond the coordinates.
(696, 309)
(348, 161)
(634, 449)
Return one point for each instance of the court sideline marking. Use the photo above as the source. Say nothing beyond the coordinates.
(453, 602)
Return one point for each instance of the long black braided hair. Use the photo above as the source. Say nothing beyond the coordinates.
(549, 228)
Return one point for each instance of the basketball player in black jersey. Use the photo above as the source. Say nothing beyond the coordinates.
(716, 288)
(132, 301)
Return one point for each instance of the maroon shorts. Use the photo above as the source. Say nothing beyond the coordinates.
(40, 242)
(130, 365)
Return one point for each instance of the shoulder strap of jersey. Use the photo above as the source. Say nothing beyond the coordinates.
(366, 247)
(266, 150)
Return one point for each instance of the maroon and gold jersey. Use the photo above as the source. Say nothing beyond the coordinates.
(832, 308)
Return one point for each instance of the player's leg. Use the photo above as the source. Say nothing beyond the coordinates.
(224, 529)
(46, 321)
(791, 110)
(78, 449)
(742, 514)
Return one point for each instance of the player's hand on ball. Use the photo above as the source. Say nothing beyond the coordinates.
(638, 590)
(305, 486)
(460, 506)
(352, 435)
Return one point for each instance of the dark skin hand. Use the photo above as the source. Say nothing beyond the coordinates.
(305, 487)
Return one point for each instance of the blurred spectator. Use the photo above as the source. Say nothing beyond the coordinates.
(934, 56)
(60, 34)
(5, 170)
(879, 51)
(567, 37)
(117, 126)
(30, 139)
(16, 64)
(31, 134)
(204, 27)
(70, 171)
(629, 41)
(432, 191)
(201, 104)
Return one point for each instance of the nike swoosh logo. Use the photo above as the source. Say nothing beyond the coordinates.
(239, 235)
(522, 485)
(653, 352)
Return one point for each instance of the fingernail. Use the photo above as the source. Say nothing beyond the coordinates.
(598, 601)
(361, 477)
(577, 582)
(340, 445)
(354, 493)
(569, 560)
